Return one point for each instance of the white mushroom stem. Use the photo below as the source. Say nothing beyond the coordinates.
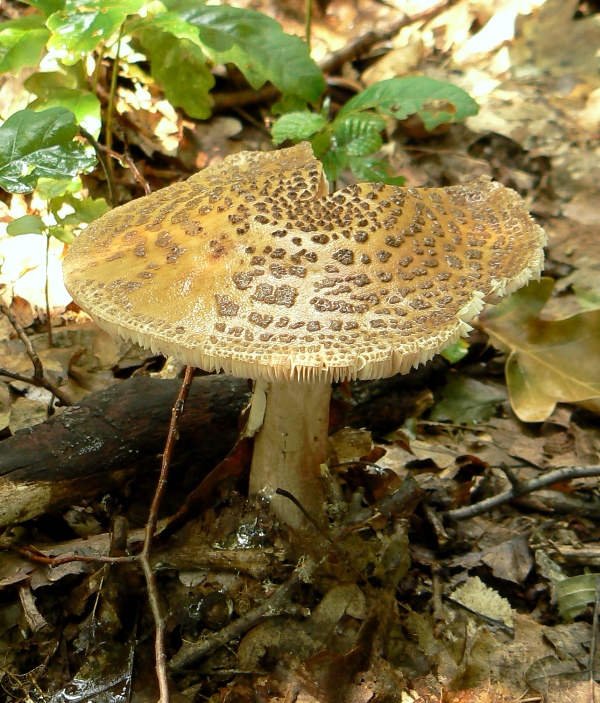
(290, 447)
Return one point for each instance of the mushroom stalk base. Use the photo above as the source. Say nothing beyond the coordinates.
(290, 447)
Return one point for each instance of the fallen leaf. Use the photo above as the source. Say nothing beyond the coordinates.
(511, 561)
(549, 361)
(466, 401)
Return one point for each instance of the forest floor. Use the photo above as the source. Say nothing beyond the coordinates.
(414, 591)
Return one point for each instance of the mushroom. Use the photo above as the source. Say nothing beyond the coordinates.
(251, 268)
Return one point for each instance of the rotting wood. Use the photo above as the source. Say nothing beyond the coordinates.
(94, 446)
(97, 445)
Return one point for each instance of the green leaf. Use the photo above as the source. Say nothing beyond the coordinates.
(574, 594)
(86, 210)
(289, 103)
(258, 46)
(79, 26)
(549, 361)
(83, 104)
(334, 162)
(180, 67)
(297, 126)
(46, 6)
(457, 351)
(49, 188)
(44, 84)
(369, 169)
(36, 144)
(22, 42)
(321, 143)
(466, 401)
(436, 102)
(63, 234)
(28, 224)
(182, 5)
(359, 134)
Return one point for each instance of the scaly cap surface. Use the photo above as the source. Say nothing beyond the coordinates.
(251, 268)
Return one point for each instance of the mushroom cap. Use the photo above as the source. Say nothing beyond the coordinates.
(250, 267)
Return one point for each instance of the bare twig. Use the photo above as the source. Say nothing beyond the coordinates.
(279, 603)
(38, 379)
(144, 557)
(248, 96)
(126, 160)
(360, 45)
(593, 645)
(98, 148)
(47, 296)
(37, 556)
(518, 490)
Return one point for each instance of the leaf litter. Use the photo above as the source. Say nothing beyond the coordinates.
(395, 602)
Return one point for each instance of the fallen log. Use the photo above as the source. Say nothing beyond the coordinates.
(95, 446)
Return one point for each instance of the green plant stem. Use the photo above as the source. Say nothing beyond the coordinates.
(111, 100)
(47, 293)
(308, 21)
(108, 172)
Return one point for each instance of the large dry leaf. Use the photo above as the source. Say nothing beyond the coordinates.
(549, 361)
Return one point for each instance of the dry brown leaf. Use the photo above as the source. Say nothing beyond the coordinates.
(550, 361)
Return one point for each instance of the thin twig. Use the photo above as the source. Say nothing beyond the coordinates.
(524, 488)
(144, 556)
(98, 148)
(279, 603)
(38, 379)
(47, 294)
(592, 660)
(126, 160)
(302, 509)
(34, 554)
(360, 45)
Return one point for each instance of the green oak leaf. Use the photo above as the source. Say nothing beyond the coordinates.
(455, 352)
(436, 102)
(35, 144)
(370, 169)
(82, 103)
(21, 42)
(28, 224)
(49, 188)
(80, 26)
(46, 6)
(86, 210)
(253, 42)
(297, 126)
(179, 65)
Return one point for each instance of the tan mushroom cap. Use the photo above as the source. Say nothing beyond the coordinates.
(251, 268)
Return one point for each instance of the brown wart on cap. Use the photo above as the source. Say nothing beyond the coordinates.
(251, 268)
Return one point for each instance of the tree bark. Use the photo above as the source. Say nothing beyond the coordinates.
(96, 445)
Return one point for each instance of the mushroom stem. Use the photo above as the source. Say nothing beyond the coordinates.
(290, 447)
